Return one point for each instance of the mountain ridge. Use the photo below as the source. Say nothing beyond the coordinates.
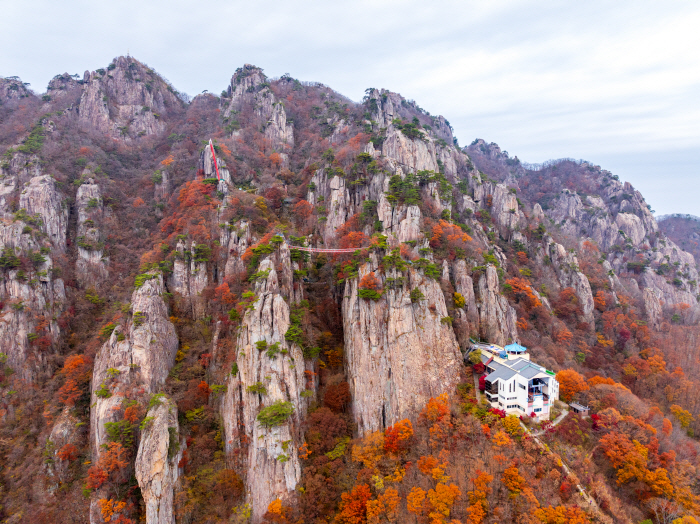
(159, 320)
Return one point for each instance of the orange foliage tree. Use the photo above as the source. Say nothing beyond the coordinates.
(110, 508)
(561, 515)
(397, 437)
(522, 292)
(385, 505)
(77, 371)
(442, 498)
(353, 506)
(369, 281)
(354, 239)
(513, 480)
(599, 301)
(68, 452)
(436, 409)
(570, 383)
(477, 497)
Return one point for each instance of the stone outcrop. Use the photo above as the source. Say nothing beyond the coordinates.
(91, 266)
(208, 167)
(163, 187)
(652, 308)
(40, 197)
(269, 374)
(134, 362)
(33, 298)
(189, 277)
(464, 285)
(236, 240)
(504, 209)
(399, 353)
(157, 462)
(497, 318)
(137, 357)
(65, 430)
(566, 267)
(126, 101)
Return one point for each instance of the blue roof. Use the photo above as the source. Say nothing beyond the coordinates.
(515, 348)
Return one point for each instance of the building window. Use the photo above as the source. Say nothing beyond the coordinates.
(522, 387)
(537, 410)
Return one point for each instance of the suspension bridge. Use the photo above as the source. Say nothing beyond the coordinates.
(323, 250)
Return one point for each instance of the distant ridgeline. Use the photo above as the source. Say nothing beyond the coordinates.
(677, 215)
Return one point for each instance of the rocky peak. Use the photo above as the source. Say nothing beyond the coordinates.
(61, 85)
(386, 106)
(127, 100)
(12, 88)
(246, 78)
(249, 91)
(495, 162)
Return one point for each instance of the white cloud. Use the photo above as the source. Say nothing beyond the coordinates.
(597, 79)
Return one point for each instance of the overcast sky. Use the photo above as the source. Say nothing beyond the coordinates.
(616, 83)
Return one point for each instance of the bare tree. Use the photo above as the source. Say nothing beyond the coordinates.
(664, 510)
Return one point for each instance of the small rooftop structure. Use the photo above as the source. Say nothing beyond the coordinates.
(515, 348)
(578, 408)
(500, 354)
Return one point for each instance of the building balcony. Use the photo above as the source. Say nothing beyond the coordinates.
(531, 396)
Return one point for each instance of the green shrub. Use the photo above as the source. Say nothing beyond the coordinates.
(155, 400)
(258, 389)
(394, 260)
(106, 330)
(429, 269)
(139, 318)
(174, 442)
(33, 143)
(339, 450)
(275, 414)
(103, 392)
(259, 275)
(202, 252)
(9, 260)
(142, 279)
(273, 350)
(218, 389)
(92, 297)
(369, 294)
(122, 431)
(195, 414)
(295, 334)
(416, 295)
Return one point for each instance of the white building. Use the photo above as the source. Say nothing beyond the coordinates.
(515, 384)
